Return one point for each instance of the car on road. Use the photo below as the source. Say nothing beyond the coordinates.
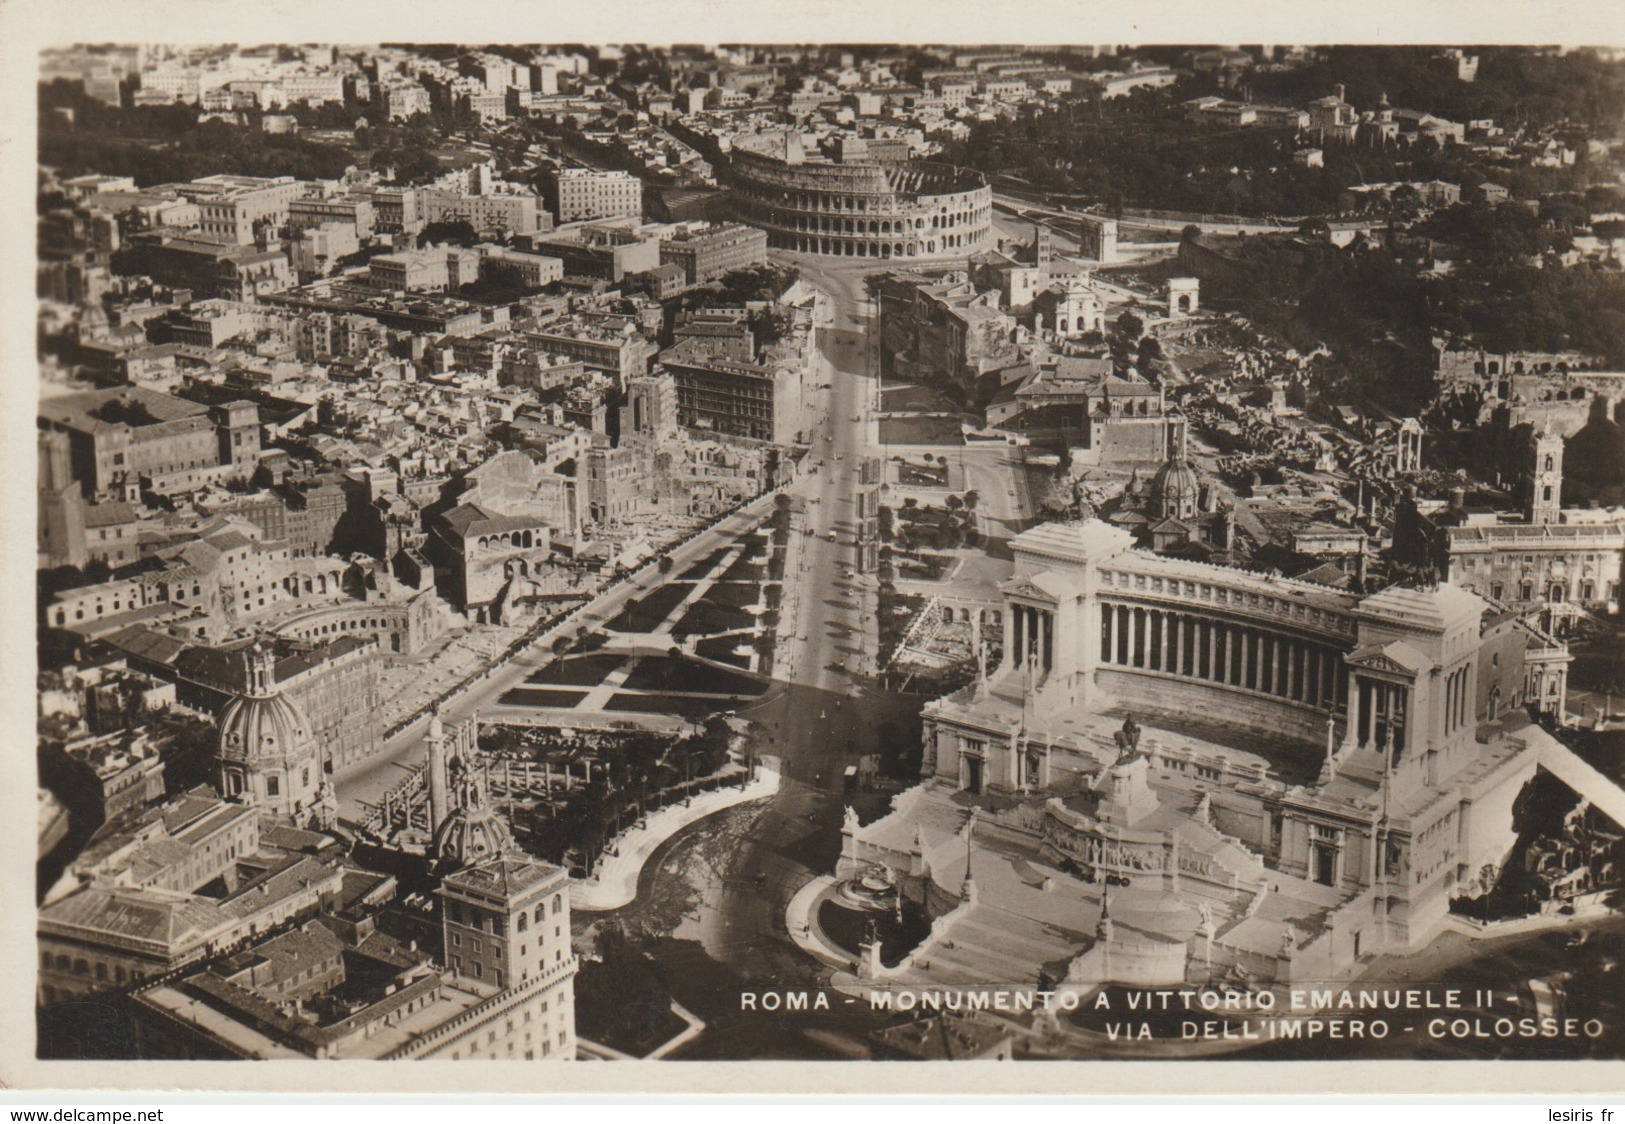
(833, 537)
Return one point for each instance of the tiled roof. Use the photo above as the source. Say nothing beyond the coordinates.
(1073, 541)
(289, 954)
(109, 514)
(300, 874)
(941, 1038)
(229, 540)
(82, 411)
(176, 921)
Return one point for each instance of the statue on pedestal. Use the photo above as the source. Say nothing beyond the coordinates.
(1128, 738)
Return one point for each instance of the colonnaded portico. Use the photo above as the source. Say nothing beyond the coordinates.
(1126, 626)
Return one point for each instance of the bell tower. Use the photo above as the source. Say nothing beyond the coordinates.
(1543, 488)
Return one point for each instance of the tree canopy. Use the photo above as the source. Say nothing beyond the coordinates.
(167, 144)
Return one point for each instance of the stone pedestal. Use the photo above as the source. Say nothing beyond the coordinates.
(869, 965)
(1128, 797)
(848, 866)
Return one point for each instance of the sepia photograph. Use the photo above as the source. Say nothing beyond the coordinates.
(821, 551)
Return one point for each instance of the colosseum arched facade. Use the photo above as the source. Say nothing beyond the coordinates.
(900, 211)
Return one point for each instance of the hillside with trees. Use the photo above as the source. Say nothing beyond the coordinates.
(1144, 151)
(167, 144)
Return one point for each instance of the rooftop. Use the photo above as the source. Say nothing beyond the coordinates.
(222, 668)
(502, 877)
(172, 920)
(91, 411)
(1435, 609)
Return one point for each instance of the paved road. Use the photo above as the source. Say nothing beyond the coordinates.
(1026, 208)
(831, 644)
(727, 882)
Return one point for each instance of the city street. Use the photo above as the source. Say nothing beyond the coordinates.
(831, 644)
(713, 899)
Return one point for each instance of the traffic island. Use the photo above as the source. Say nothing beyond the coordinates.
(801, 919)
(615, 883)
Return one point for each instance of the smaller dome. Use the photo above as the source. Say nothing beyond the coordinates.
(1175, 478)
(468, 837)
(475, 831)
(1175, 489)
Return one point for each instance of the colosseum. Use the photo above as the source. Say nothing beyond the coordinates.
(856, 207)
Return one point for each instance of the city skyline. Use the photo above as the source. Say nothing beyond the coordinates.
(819, 552)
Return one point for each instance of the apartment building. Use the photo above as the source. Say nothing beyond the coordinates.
(584, 193)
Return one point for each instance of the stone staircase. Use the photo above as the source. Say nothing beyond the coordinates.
(1224, 852)
(986, 946)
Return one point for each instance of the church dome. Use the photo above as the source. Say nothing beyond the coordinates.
(475, 831)
(263, 729)
(467, 837)
(1175, 489)
(269, 756)
(263, 726)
